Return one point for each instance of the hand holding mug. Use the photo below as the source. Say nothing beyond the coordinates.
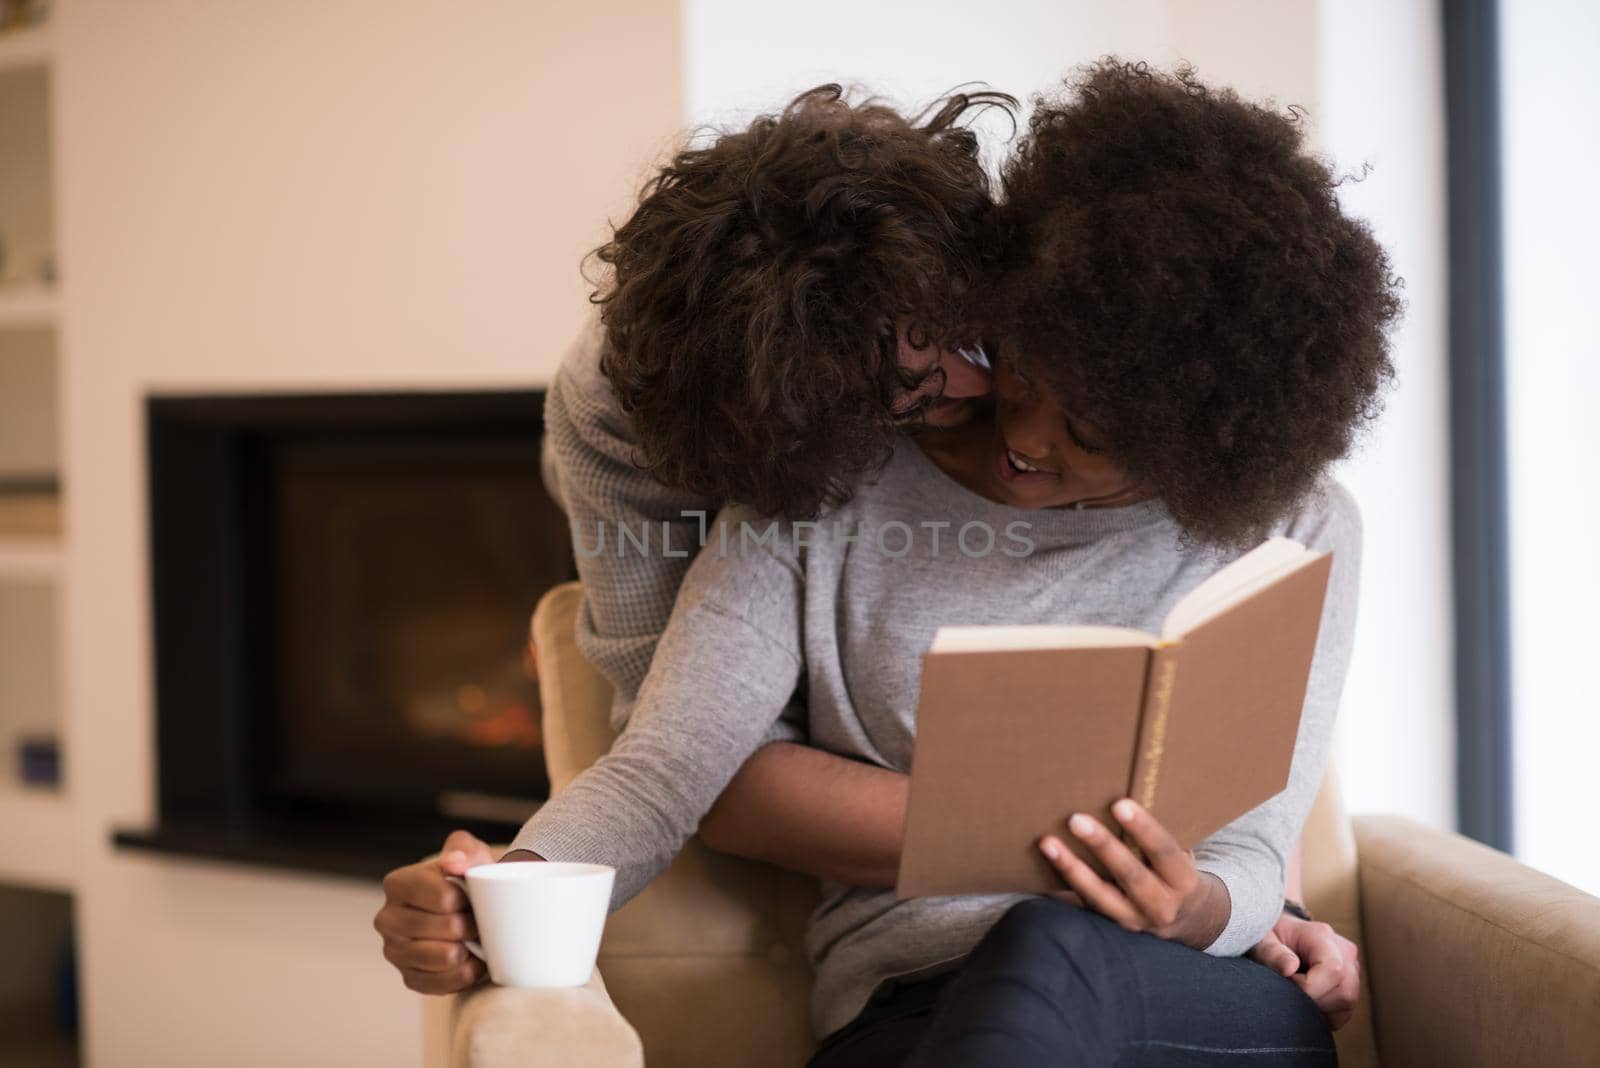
(425, 920)
(540, 923)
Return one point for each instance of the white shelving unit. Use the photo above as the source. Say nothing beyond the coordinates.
(29, 558)
(38, 826)
(27, 305)
(25, 48)
(38, 839)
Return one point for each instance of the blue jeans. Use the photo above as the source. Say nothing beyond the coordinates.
(1055, 985)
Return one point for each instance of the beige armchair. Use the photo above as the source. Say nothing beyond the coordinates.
(1469, 958)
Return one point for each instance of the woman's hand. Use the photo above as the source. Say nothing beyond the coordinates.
(1162, 893)
(1333, 972)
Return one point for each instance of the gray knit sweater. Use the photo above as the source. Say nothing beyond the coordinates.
(844, 610)
(590, 468)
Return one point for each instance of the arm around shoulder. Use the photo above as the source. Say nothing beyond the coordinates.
(721, 677)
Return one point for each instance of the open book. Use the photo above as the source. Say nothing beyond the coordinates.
(1018, 727)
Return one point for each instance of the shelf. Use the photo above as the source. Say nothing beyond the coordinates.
(25, 48)
(32, 304)
(357, 850)
(38, 838)
(27, 557)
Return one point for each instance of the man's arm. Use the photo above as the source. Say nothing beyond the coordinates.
(633, 538)
(824, 815)
(728, 662)
(813, 812)
(1312, 955)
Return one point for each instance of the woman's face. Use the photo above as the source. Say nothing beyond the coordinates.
(1044, 456)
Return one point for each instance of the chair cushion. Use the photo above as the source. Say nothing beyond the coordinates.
(576, 698)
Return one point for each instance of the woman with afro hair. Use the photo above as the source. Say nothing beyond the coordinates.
(1187, 326)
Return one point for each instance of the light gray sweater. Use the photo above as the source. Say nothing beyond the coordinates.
(844, 609)
(590, 469)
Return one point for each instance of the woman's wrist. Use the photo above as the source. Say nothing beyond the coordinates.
(1209, 918)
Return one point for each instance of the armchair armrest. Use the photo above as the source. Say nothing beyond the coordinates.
(1473, 958)
(506, 1027)
(708, 967)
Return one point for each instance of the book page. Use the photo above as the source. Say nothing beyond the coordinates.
(1253, 571)
(1036, 636)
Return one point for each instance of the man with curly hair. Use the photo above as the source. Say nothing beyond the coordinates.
(782, 302)
(1123, 531)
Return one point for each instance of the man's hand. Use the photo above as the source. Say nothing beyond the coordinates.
(1163, 893)
(425, 918)
(1333, 974)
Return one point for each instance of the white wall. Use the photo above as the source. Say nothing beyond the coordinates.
(1369, 73)
(1382, 104)
(1551, 154)
(285, 196)
(741, 58)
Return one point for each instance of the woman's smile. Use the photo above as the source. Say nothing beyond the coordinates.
(1016, 469)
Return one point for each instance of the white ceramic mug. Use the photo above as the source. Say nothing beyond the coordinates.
(539, 923)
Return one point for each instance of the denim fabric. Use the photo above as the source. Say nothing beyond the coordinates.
(1055, 985)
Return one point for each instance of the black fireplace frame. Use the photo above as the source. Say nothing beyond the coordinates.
(207, 726)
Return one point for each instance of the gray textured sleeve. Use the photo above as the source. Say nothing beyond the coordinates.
(729, 662)
(1250, 855)
(633, 537)
(789, 727)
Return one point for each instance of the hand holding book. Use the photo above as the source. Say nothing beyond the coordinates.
(1019, 726)
(1161, 892)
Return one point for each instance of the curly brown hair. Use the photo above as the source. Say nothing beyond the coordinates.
(1180, 268)
(752, 298)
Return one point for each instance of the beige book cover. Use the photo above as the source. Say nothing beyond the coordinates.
(1019, 727)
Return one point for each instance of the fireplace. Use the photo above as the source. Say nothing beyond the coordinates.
(342, 586)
